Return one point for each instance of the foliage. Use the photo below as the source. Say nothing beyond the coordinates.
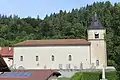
(66, 25)
(111, 75)
(111, 63)
(86, 76)
(77, 76)
(90, 76)
(63, 79)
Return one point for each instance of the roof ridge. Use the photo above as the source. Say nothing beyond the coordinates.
(53, 42)
(53, 39)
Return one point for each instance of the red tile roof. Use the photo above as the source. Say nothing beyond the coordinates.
(53, 42)
(40, 74)
(6, 51)
(36, 75)
(13, 78)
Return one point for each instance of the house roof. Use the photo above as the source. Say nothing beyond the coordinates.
(53, 42)
(35, 75)
(3, 65)
(41, 74)
(95, 24)
(6, 51)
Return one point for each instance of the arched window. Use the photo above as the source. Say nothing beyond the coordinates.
(21, 58)
(70, 58)
(53, 58)
(97, 62)
(96, 35)
(37, 58)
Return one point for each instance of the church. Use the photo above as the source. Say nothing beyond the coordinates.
(64, 53)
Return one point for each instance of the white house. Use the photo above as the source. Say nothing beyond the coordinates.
(64, 53)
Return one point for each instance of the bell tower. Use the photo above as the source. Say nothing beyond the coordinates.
(96, 34)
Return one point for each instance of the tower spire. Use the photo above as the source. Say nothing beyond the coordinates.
(95, 24)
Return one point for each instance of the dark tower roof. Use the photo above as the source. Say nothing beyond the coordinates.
(95, 24)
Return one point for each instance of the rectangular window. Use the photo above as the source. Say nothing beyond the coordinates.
(70, 58)
(60, 66)
(68, 66)
(21, 58)
(75, 67)
(97, 62)
(37, 58)
(81, 65)
(53, 58)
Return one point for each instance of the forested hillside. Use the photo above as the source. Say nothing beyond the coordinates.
(66, 25)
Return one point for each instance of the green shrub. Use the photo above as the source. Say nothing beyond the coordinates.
(86, 76)
(77, 76)
(111, 63)
(90, 76)
(112, 75)
(63, 79)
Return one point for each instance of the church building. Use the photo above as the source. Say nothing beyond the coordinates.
(64, 53)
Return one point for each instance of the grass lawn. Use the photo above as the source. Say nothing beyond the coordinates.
(63, 79)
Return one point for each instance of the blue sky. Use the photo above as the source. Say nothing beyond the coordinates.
(24, 8)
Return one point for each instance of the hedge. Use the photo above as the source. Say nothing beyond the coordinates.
(63, 79)
(90, 76)
(86, 76)
(112, 75)
(77, 76)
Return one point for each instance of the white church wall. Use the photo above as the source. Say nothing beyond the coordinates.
(61, 53)
(98, 47)
(93, 31)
